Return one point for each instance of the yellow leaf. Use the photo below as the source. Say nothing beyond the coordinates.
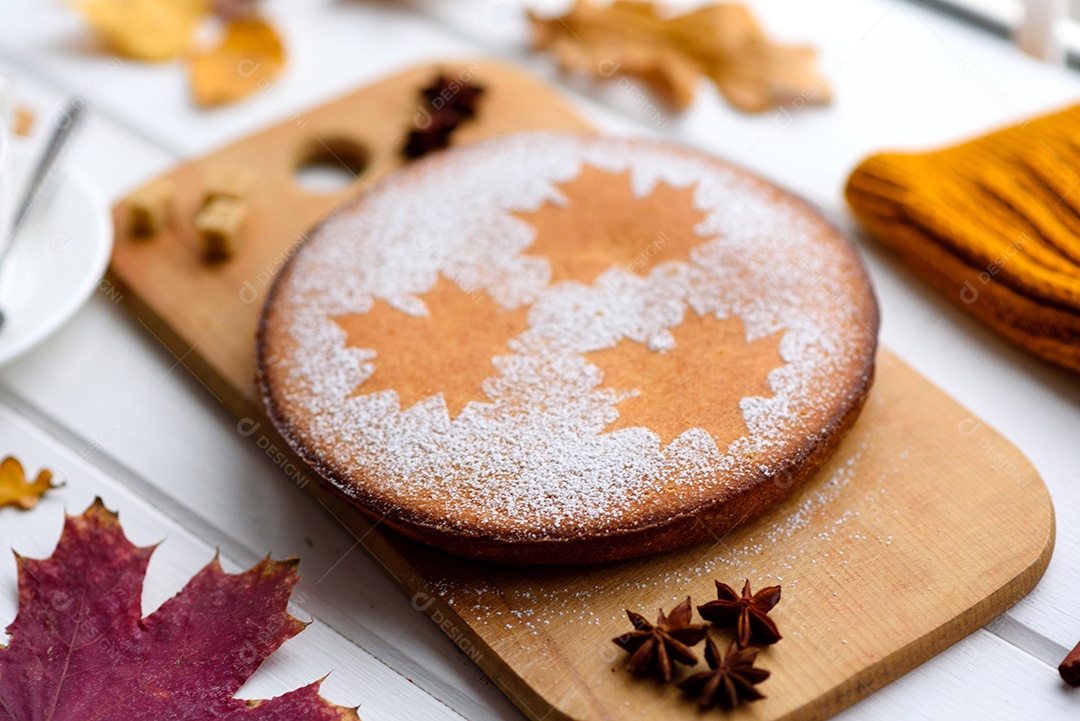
(15, 490)
(154, 30)
(723, 42)
(248, 58)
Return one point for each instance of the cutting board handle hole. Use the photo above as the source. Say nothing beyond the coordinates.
(330, 165)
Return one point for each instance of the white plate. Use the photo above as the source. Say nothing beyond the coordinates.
(57, 261)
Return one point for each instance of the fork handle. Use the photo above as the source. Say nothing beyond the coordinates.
(43, 178)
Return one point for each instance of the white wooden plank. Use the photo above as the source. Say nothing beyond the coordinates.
(357, 677)
(982, 677)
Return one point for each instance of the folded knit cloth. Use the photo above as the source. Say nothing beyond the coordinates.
(993, 223)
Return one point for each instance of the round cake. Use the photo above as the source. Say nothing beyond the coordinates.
(568, 348)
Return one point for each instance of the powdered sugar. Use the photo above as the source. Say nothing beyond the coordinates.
(536, 456)
(804, 540)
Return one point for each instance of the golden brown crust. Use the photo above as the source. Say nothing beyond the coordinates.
(684, 530)
(666, 521)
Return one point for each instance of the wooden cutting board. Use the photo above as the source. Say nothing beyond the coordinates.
(925, 524)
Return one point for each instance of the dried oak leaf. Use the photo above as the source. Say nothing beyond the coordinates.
(80, 649)
(16, 490)
(724, 42)
(249, 56)
(730, 680)
(748, 612)
(654, 648)
(155, 30)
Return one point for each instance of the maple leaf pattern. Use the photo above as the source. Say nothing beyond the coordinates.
(604, 225)
(696, 384)
(81, 650)
(448, 351)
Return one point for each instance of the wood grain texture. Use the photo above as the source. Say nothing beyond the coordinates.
(924, 525)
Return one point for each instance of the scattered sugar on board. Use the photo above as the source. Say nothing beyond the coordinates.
(820, 508)
(553, 464)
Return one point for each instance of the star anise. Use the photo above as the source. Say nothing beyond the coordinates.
(447, 102)
(451, 94)
(654, 648)
(731, 679)
(435, 136)
(749, 613)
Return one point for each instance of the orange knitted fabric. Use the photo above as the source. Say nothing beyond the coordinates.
(993, 223)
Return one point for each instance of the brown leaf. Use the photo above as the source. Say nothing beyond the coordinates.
(16, 490)
(724, 42)
(249, 56)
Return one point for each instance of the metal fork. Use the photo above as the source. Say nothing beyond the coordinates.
(43, 179)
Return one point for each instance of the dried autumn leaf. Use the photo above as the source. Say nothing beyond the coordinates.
(155, 30)
(724, 42)
(249, 56)
(80, 649)
(620, 38)
(16, 490)
(752, 72)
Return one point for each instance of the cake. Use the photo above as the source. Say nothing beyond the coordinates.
(568, 348)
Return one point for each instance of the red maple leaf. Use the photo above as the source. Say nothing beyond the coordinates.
(80, 649)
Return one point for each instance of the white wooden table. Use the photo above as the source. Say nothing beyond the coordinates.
(113, 411)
